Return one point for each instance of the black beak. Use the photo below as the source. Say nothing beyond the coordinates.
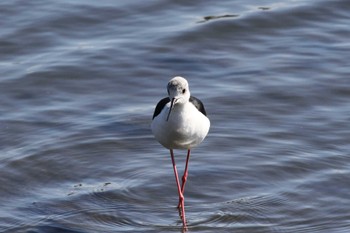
(173, 100)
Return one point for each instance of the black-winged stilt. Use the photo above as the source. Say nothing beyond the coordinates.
(180, 122)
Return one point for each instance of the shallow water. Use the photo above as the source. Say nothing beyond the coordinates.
(79, 83)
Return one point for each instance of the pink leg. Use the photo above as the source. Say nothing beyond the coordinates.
(181, 196)
(184, 177)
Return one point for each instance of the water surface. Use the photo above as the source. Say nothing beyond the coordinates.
(79, 83)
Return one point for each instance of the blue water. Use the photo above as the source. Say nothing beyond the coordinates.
(79, 83)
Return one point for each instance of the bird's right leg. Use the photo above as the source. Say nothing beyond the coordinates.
(181, 196)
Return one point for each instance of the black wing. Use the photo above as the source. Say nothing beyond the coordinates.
(160, 106)
(198, 104)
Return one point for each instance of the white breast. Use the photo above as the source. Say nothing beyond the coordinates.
(185, 128)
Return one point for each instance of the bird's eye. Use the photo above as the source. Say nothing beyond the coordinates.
(183, 91)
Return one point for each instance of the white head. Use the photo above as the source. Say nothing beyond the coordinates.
(178, 91)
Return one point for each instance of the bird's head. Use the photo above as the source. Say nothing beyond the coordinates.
(178, 92)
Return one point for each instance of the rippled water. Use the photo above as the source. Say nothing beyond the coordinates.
(79, 83)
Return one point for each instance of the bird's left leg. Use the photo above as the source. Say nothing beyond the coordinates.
(184, 177)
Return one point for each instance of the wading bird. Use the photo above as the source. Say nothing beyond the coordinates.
(180, 122)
